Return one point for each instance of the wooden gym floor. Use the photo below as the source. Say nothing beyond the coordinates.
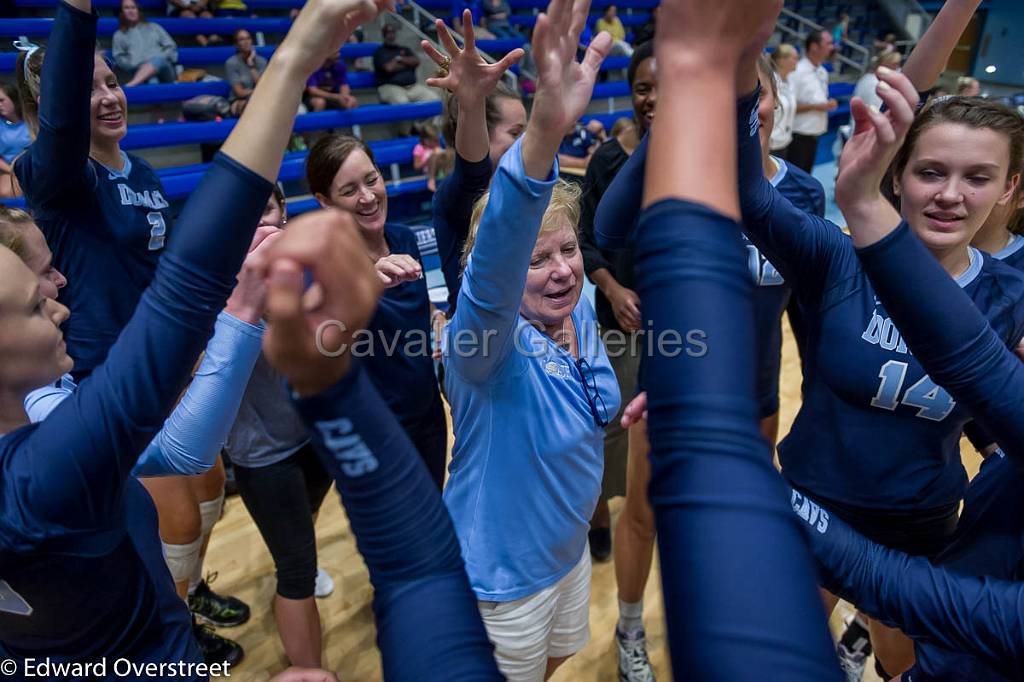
(245, 570)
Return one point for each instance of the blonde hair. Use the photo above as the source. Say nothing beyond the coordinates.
(964, 82)
(11, 234)
(564, 204)
(782, 51)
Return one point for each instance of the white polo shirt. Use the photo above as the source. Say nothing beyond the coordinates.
(810, 85)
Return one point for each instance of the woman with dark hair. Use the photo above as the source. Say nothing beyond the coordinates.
(243, 69)
(342, 174)
(483, 117)
(14, 137)
(143, 49)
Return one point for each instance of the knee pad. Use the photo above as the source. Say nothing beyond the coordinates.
(182, 559)
(210, 512)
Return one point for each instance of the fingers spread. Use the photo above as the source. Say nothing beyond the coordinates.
(445, 36)
(598, 49)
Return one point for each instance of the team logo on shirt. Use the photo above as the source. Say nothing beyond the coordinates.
(816, 517)
(12, 602)
(149, 198)
(347, 447)
(882, 332)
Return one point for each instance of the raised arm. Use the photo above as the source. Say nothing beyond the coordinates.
(494, 278)
(980, 616)
(87, 447)
(714, 491)
(469, 80)
(58, 159)
(424, 607)
(929, 58)
(617, 212)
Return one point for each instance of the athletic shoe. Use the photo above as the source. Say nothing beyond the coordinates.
(216, 649)
(223, 612)
(853, 650)
(324, 584)
(634, 666)
(600, 543)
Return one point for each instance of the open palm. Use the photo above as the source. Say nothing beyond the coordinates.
(564, 86)
(470, 77)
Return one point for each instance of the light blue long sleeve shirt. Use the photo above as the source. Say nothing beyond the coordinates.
(528, 457)
(193, 434)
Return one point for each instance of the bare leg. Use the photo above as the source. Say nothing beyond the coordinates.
(298, 624)
(143, 74)
(178, 511)
(553, 664)
(893, 650)
(634, 532)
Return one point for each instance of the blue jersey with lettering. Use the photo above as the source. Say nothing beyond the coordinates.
(78, 538)
(772, 293)
(874, 431)
(106, 228)
(617, 213)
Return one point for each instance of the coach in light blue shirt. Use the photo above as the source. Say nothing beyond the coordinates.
(529, 402)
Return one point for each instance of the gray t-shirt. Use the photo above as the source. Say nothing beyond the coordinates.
(240, 74)
(267, 429)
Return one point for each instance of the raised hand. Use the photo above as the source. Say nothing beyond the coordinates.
(469, 76)
(307, 340)
(564, 86)
(398, 268)
(869, 153)
(705, 27)
(250, 294)
(323, 26)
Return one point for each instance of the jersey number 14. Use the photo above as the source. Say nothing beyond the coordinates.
(931, 400)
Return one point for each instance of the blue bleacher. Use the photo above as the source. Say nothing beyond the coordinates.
(12, 28)
(179, 92)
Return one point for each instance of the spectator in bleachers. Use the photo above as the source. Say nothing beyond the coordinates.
(578, 146)
(328, 87)
(143, 49)
(190, 9)
(868, 83)
(394, 66)
(968, 87)
(810, 84)
(785, 58)
(610, 22)
(244, 69)
(230, 8)
(646, 32)
(14, 137)
(496, 14)
(840, 32)
(428, 156)
(477, 11)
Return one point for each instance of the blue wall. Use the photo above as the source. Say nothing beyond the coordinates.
(1001, 43)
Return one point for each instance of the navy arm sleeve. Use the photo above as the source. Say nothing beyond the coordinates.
(426, 613)
(69, 470)
(949, 336)
(981, 616)
(799, 244)
(58, 160)
(453, 208)
(733, 555)
(617, 212)
(593, 259)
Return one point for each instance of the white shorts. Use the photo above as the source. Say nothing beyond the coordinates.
(552, 623)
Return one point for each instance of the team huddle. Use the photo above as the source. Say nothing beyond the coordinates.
(136, 346)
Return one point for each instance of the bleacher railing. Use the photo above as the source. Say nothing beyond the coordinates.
(862, 56)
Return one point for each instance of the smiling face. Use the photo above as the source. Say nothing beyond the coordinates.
(32, 349)
(953, 178)
(108, 105)
(358, 188)
(555, 278)
(645, 95)
(510, 125)
(37, 256)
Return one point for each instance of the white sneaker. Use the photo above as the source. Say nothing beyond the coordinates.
(324, 584)
(634, 665)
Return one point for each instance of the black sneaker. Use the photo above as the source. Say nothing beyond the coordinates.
(216, 649)
(853, 650)
(600, 543)
(222, 612)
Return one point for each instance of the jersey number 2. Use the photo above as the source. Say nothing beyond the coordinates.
(157, 230)
(933, 402)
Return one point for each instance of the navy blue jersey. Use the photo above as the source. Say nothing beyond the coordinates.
(426, 612)
(452, 209)
(79, 559)
(733, 557)
(874, 431)
(401, 362)
(106, 228)
(617, 213)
